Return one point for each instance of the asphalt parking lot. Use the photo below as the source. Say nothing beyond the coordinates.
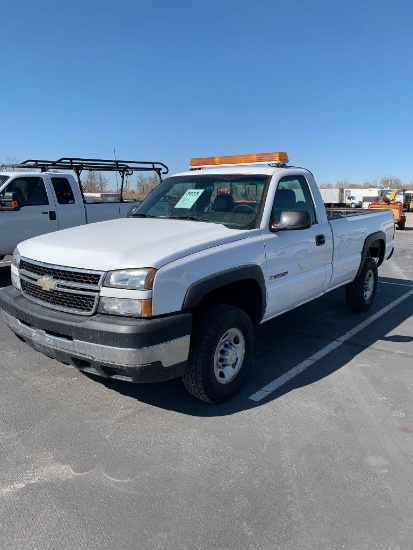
(315, 452)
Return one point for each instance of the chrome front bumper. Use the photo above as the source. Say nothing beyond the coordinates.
(140, 350)
(167, 353)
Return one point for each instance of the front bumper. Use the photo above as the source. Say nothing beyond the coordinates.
(136, 350)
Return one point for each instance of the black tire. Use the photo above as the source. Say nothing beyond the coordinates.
(353, 205)
(361, 292)
(221, 332)
(401, 225)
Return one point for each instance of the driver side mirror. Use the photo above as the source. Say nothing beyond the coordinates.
(9, 201)
(292, 220)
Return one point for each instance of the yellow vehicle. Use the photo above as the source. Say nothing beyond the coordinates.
(389, 203)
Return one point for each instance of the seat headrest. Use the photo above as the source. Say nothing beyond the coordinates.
(223, 203)
(284, 198)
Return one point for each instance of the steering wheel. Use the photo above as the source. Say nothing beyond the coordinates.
(244, 209)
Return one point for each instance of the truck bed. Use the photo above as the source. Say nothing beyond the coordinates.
(333, 213)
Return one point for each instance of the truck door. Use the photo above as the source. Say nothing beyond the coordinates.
(71, 210)
(296, 260)
(37, 213)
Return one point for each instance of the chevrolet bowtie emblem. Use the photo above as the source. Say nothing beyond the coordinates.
(46, 283)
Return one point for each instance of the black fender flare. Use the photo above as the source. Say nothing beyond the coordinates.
(201, 288)
(377, 236)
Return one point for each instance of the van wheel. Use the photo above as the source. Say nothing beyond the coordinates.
(361, 292)
(221, 353)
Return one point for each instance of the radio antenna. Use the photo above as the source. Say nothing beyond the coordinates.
(116, 174)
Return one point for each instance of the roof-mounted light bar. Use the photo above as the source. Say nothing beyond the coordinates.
(279, 157)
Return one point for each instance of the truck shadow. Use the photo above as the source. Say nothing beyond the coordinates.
(287, 341)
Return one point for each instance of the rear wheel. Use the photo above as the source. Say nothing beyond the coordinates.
(402, 224)
(361, 292)
(221, 353)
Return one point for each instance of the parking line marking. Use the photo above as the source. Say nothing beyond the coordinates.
(281, 380)
(395, 284)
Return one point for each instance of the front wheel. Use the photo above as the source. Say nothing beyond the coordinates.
(401, 225)
(221, 353)
(361, 292)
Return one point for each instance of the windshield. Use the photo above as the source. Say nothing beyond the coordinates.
(3, 179)
(232, 200)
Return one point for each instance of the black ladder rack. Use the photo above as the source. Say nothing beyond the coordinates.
(78, 165)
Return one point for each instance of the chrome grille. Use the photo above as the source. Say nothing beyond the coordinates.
(79, 303)
(62, 288)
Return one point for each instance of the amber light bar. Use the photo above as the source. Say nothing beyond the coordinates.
(280, 157)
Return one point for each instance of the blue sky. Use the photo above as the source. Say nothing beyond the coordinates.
(329, 82)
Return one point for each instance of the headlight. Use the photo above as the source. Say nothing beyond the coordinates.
(125, 306)
(136, 279)
(16, 258)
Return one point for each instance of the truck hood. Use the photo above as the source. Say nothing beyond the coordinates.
(130, 242)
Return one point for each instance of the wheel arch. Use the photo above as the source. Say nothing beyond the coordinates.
(243, 287)
(374, 247)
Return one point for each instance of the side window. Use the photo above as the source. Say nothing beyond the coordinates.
(17, 186)
(36, 192)
(29, 191)
(293, 193)
(63, 191)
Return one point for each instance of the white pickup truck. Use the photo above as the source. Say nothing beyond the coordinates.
(176, 289)
(33, 203)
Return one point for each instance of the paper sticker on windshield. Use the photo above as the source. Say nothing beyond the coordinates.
(187, 200)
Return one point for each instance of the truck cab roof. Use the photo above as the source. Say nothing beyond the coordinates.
(239, 169)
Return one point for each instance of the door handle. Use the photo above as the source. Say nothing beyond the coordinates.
(320, 240)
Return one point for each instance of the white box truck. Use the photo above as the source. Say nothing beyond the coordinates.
(340, 197)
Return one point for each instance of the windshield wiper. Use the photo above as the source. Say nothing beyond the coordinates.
(191, 218)
(137, 215)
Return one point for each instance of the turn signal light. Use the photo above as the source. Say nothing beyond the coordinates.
(279, 157)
